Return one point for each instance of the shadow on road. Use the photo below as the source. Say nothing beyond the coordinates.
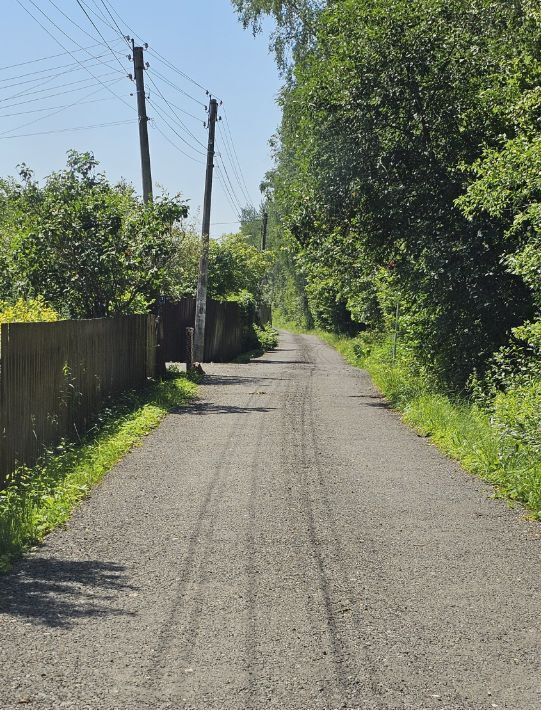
(238, 380)
(201, 408)
(57, 593)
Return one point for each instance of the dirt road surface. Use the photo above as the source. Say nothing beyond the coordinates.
(284, 543)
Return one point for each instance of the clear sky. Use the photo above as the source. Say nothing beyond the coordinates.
(200, 37)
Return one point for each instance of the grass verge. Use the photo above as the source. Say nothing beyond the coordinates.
(459, 428)
(43, 498)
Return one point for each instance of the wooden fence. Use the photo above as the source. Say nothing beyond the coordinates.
(223, 330)
(54, 377)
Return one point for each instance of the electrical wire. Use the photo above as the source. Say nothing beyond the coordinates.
(64, 48)
(113, 19)
(98, 12)
(234, 167)
(187, 113)
(181, 73)
(155, 125)
(172, 128)
(111, 11)
(74, 128)
(53, 113)
(228, 127)
(179, 120)
(153, 51)
(69, 83)
(177, 88)
(54, 56)
(50, 108)
(80, 4)
(61, 93)
(29, 90)
(227, 183)
(40, 71)
(52, 88)
(227, 193)
(227, 177)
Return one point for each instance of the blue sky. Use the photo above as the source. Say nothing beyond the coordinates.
(200, 37)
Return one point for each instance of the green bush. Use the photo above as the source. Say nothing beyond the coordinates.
(267, 336)
(31, 310)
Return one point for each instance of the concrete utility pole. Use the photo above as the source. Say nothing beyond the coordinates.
(264, 226)
(139, 68)
(201, 298)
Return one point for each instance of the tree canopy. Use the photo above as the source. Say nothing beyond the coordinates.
(406, 172)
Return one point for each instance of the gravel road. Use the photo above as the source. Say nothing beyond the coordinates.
(284, 543)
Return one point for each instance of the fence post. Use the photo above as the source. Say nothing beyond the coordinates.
(161, 368)
(189, 349)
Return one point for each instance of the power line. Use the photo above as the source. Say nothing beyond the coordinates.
(70, 83)
(234, 167)
(28, 91)
(40, 71)
(153, 123)
(54, 56)
(172, 128)
(65, 48)
(174, 68)
(237, 201)
(187, 113)
(53, 113)
(179, 120)
(50, 108)
(227, 193)
(229, 188)
(61, 93)
(177, 88)
(74, 128)
(98, 12)
(113, 19)
(79, 3)
(163, 59)
(228, 127)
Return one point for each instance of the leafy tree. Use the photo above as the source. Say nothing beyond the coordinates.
(92, 249)
(235, 265)
(295, 23)
(380, 121)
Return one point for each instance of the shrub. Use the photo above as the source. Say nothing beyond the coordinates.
(267, 336)
(31, 310)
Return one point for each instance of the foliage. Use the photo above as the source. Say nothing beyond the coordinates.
(235, 265)
(267, 336)
(294, 23)
(43, 498)
(27, 311)
(386, 111)
(90, 248)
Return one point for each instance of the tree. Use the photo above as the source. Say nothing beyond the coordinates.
(295, 22)
(380, 120)
(90, 248)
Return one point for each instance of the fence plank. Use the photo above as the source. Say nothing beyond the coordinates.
(223, 330)
(54, 377)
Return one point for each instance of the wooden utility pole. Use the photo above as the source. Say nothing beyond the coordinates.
(201, 298)
(264, 226)
(139, 69)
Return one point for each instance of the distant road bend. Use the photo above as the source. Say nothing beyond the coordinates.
(284, 543)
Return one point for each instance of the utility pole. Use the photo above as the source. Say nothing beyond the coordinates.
(201, 298)
(264, 230)
(139, 69)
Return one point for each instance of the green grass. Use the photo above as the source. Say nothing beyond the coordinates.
(459, 428)
(43, 498)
